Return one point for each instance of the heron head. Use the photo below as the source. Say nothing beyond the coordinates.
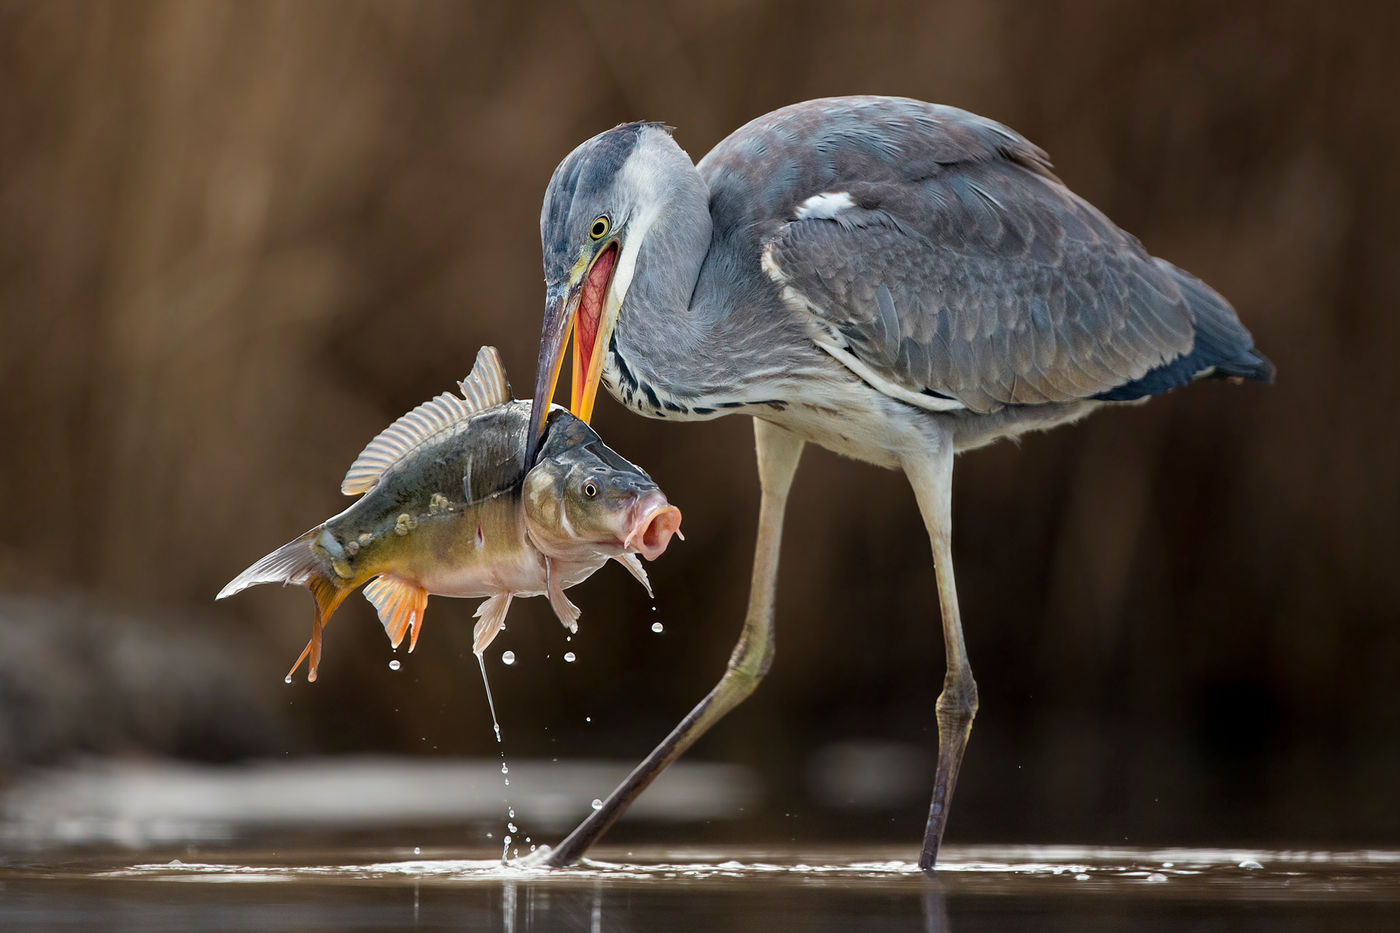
(601, 203)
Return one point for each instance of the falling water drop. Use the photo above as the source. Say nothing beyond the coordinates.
(417, 850)
(504, 769)
(588, 719)
(512, 827)
(394, 664)
(510, 812)
(569, 656)
(597, 804)
(507, 657)
(657, 627)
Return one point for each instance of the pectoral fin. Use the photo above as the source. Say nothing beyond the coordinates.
(400, 604)
(567, 612)
(633, 563)
(492, 614)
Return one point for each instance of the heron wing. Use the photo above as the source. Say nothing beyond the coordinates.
(935, 251)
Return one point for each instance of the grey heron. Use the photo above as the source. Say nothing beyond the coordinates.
(894, 280)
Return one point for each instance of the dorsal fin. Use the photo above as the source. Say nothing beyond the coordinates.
(485, 388)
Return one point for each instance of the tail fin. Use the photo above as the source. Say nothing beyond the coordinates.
(296, 562)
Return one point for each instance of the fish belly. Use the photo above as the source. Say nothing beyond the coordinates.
(478, 554)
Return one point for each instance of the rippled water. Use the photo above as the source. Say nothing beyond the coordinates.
(977, 888)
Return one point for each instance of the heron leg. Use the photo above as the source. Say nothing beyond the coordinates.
(932, 479)
(778, 453)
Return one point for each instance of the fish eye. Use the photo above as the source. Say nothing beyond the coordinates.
(590, 489)
(600, 227)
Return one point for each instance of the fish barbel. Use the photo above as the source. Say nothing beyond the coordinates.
(448, 507)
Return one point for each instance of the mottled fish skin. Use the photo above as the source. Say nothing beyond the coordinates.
(443, 512)
(452, 510)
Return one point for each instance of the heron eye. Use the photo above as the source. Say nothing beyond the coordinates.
(599, 228)
(590, 489)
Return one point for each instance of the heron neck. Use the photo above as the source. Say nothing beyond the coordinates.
(664, 340)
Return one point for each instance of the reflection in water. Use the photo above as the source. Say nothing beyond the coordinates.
(935, 909)
(508, 907)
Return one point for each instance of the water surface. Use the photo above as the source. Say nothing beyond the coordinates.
(676, 889)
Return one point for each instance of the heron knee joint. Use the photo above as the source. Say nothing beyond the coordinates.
(958, 701)
(742, 678)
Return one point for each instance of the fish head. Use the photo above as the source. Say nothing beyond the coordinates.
(583, 501)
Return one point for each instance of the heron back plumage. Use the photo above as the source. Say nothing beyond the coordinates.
(937, 251)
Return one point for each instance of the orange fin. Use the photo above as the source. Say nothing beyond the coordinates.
(312, 649)
(400, 604)
(328, 596)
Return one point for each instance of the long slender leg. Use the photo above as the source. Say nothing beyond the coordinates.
(778, 453)
(931, 475)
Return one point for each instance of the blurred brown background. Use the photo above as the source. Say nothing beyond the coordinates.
(237, 239)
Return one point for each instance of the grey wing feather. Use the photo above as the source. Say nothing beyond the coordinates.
(1021, 292)
(962, 267)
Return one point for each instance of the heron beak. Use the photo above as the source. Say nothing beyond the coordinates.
(580, 307)
(560, 306)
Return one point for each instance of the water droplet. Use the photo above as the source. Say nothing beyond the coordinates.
(394, 664)
(507, 840)
(597, 804)
(1250, 864)
(488, 835)
(512, 827)
(507, 782)
(504, 769)
(1081, 877)
(287, 679)
(588, 719)
(417, 851)
(507, 657)
(569, 656)
(510, 812)
(657, 627)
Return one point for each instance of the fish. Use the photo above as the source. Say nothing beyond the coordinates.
(448, 507)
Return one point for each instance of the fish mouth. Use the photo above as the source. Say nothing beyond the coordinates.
(655, 521)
